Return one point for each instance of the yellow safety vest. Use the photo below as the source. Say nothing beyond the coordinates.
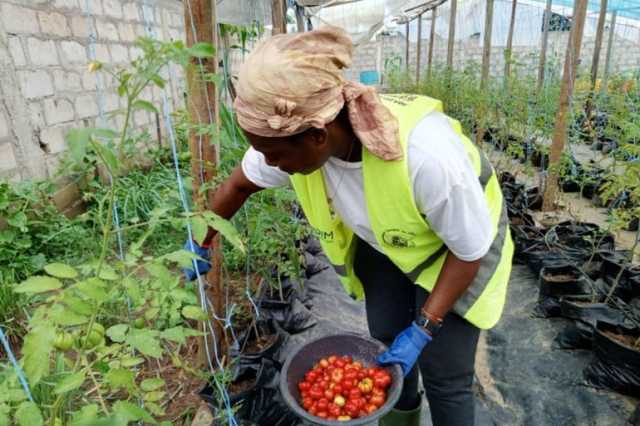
(402, 231)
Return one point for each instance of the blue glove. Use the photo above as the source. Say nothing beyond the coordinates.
(202, 265)
(406, 348)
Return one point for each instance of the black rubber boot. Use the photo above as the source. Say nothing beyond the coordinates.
(401, 417)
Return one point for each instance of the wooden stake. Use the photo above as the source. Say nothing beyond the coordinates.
(203, 109)
(607, 61)
(278, 17)
(484, 79)
(545, 42)
(300, 18)
(509, 50)
(432, 37)
(452, 33)
(406, 47)
(566, 90)
(419, 48)
(602, 17)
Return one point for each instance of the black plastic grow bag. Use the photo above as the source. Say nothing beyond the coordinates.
(617, 363)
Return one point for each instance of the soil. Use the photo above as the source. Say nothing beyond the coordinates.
(624, 339)
(241, 386)
(255, 346)
(564, 278)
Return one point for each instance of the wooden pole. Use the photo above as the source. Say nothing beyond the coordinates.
(602, 17)
(406, 47)
(432, 37)
(300, 18)
(545, 42)
(566, 90)
(509, 50)
(419, 48)
(278, 17)
(486, 48)
(452, 33)
(203, 109)
(607, 61)
(484, 78)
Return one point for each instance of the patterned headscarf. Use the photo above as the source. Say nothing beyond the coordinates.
(293, 82)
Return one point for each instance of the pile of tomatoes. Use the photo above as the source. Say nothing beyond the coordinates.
(337, 388)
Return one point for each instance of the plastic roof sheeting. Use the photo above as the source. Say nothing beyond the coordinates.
(626, 8)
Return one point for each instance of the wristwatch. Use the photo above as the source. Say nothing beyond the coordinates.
(432, 327)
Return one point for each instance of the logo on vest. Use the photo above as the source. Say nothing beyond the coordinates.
(323, 235)
(398, 238)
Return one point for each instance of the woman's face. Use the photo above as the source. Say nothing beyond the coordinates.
(303, 153)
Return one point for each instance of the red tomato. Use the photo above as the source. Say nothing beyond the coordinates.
(323, 404)
(337, 389)
(347, 359)
(329, 394)
(324, 384)
(370, 372)
(324, 363)
(304, 394)
(382, 381)
(316, 392)
(307, 403)
(310, 376)
(304, 386)
(337, 375)
(351, 375)
(363, 413)
(322, 414)
(340, 363)
(351, 409)
(371, 408)
(362, 374)
(379, 392)
(314, 408)
(354, 393)
(377, 400)
(332, 359)
(334, 410)
(357, 365)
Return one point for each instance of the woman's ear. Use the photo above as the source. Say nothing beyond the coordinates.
(319, 137)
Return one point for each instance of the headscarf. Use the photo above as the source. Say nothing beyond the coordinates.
(293, 82)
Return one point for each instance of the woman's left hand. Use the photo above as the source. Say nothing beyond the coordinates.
(406, 348)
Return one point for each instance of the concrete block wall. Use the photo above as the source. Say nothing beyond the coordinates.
(45, 86)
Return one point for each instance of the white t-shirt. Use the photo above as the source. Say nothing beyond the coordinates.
(445, 187)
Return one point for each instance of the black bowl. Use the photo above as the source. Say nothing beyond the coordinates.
(361, 348)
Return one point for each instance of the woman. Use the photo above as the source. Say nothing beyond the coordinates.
(408, 211)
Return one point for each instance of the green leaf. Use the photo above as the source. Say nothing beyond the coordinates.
(38, 344)
(158, 81)
(77, 305)
(93, 288)
(175, 334)
(194, 313)
(121, 378)
(154, 396)
(149, 385)
(158, 270)
(18, 220)
(132, 412)
(202, 50)
(4, 416)
(69, 383)
(28, 414)
(145, 341)
(131, 362)
(199, 228)
(77, 141)
(38, 284)
(117, 333)
(145, 105)
(60, 270)
(108, 273)
(107, 157)
(225, 228)
(151, 314)
(156, 410)
(87, 414)
(183, 258)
